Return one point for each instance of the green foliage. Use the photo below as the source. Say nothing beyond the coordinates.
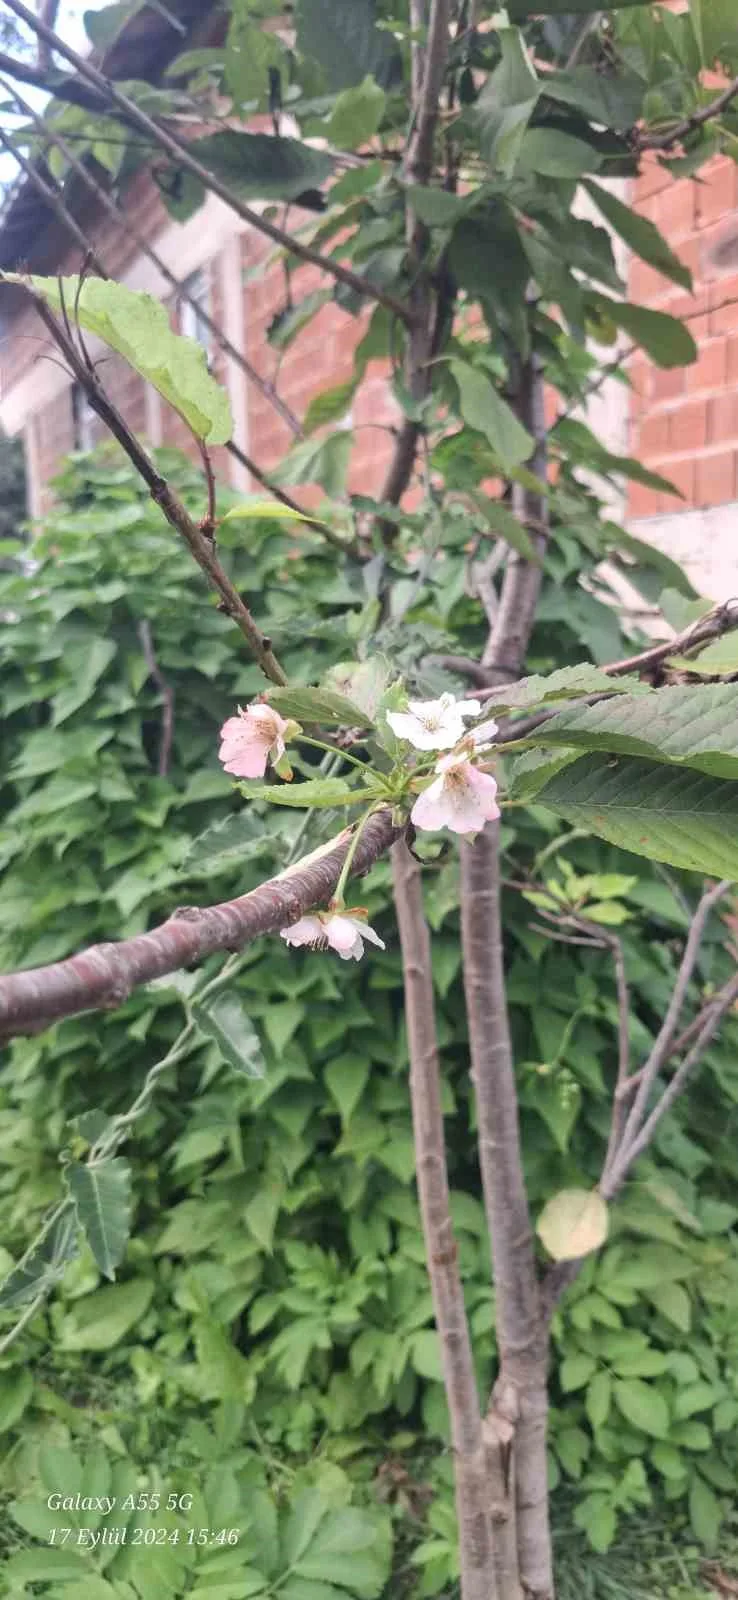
(137, 327)
(274, 1284)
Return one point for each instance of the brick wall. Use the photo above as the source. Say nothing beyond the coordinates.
(684, 423)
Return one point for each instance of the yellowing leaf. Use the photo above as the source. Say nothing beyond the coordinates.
(573, 1223)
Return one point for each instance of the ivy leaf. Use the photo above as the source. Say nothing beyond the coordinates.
(137, 327)
(665, 339)
(101, 1193)
(572, 1223)
(695, 725)
(640, 234)
(486, 411)
(356, 115)
(319, 705)
(314, 792)
(223, 1018)
(677, 815)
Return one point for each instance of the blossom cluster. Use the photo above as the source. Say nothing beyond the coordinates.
(460, 796)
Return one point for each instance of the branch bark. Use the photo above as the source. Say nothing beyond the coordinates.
(180, 151)
(666, 141)
(201, 547)
(103, 976)
(472, 1490)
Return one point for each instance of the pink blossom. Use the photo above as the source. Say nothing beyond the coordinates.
(461, 798)
(342, 931)
(433, 724)
(250, 740)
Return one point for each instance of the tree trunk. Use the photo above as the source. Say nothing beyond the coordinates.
(472, 1490)
(516, 1425)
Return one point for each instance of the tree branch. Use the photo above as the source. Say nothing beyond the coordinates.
(103, 976)
(55, 204)
(180, 151)
(69, 89)
(508, 639)
(666, 141)
(126, 222)
(201, 547)
(472, 1491)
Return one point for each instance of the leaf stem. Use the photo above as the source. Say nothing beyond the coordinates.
(337, 898)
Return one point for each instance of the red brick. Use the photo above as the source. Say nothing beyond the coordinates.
(715, 191)
(667, 383)
(644, 502)
(723, 418)
(688, 426)
(732, 359)
(708, 371)
(652, 438)
(716, 478)
(724, 299)
(674, 211)
(680, 472)
(645, 285)
(651, 177)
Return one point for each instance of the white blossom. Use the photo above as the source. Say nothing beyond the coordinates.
(342, 931)
(433, 724)
(461, 798)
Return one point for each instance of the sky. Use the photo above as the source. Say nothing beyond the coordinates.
(71, 27)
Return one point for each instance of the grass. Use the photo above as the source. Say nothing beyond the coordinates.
(649, 1561)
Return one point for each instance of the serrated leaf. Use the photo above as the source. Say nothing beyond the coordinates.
(319, 705)
(665, 339)
(640, 234)
(572, 1223)
(566, 683)
(671, 814)
(642, 1405)
(101, 1192)
(350, 1545)
(692, 725)
(223, 1018)
(485, 410)
(314, 792)
(137, 327)
(717, 660)
(235, 839)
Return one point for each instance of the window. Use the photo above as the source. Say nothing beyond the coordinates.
(191, 321)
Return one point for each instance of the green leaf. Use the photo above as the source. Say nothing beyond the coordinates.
(552, 154)
(261, 1214)
(673, 1302)
(690, 725)
(223, 1018)
(102, 1319)
(520, 10)
(665, 339)
(314, 792)
(93, 660)
(346, 43)
(46, 1566)
(705, 1513)
(137, 327)
(350, 1545)
(329, 406)
(485, 410)
(614, 100)
(575, 1372)
(668, 1461)
(356, 115)
(16, 1389)
(436, 207)
(641, 235)
(426, 1355)
(597, 1399)
(717, 660)
(507, 526)
(250, 54)
(346, 1078)
(319, 705)
(693, 1397)
(506, 103)
(325, 462)
(596, 1516)
(101, 1192)
(43, 1264)
(264, 511)
(541, 690)
(675, 815)
(642, 1406)
(572, 1223)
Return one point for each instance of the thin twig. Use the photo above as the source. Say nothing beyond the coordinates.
(666, 141)
(126, 222)
(167, 694)
(53, 201)
(176, 514)
(181, 153)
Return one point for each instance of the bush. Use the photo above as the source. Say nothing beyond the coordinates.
(273, 1308)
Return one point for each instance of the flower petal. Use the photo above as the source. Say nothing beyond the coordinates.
(307, 930)
(344, 937)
